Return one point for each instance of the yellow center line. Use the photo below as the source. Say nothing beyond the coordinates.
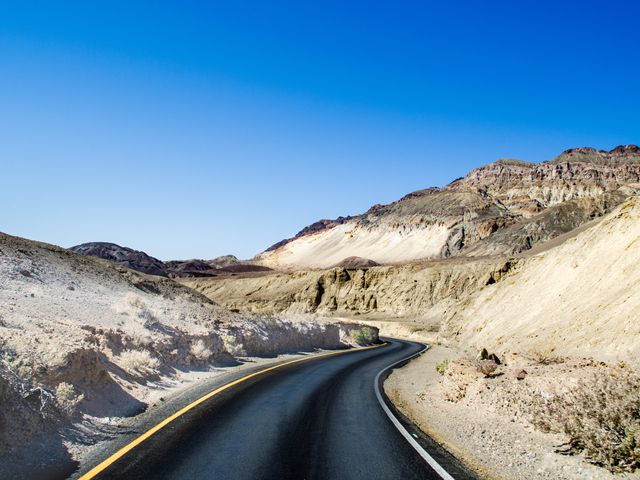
(130, 446)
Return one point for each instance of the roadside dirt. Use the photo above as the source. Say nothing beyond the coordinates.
(477, 429)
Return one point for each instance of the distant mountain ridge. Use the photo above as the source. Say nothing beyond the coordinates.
(141, 262)
(621, 153)
(128, 257)
(507, 206)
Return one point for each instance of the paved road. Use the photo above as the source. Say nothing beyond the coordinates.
(318, 419)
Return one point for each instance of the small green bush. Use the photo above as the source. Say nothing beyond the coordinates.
(67, 398)
(442, 366)
(364, 335)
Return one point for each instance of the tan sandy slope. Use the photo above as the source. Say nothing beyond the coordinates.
(579, 298)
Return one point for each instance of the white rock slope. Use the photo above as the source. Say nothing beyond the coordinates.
(84, 339)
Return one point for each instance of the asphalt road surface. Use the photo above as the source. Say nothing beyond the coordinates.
(316, 419)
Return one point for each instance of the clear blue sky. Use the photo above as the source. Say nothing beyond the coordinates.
(187, 130)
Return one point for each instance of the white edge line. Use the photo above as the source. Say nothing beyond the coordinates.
(423, 453)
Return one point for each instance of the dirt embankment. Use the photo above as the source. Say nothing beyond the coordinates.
(83, 340)
(406, 301)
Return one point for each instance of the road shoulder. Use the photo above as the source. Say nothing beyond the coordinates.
(480, 436)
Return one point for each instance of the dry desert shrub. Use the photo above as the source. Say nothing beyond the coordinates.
(138, 362)
(601, 417)
(200, 351)
(134, 300)
(545, 357)
(139, 340)
(67, 398)
(233, 344)
(135, 306)
(22, 367)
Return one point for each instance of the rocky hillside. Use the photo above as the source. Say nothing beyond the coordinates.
(141, 262)
(414, 290)
(505, 207)
(527, 188)
(579, 298)
(575, 295)
(84, 340)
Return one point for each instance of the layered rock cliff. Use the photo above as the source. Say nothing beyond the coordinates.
(412, 290)
(528, 188)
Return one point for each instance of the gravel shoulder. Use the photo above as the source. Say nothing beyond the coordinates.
(479, 433)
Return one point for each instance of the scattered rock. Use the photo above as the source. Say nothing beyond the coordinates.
(485, 355)
(357, 262)
(520, 374)
(486, 367)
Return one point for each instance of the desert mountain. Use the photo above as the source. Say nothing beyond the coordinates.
(505, 207)
(141, 262)
(574, 295)
(225, 265)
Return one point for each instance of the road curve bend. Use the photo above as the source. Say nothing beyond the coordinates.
(321, 418)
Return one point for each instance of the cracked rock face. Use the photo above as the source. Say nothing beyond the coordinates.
(391, 291)
(507, 206)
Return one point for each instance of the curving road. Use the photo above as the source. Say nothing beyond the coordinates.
(316, 419)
